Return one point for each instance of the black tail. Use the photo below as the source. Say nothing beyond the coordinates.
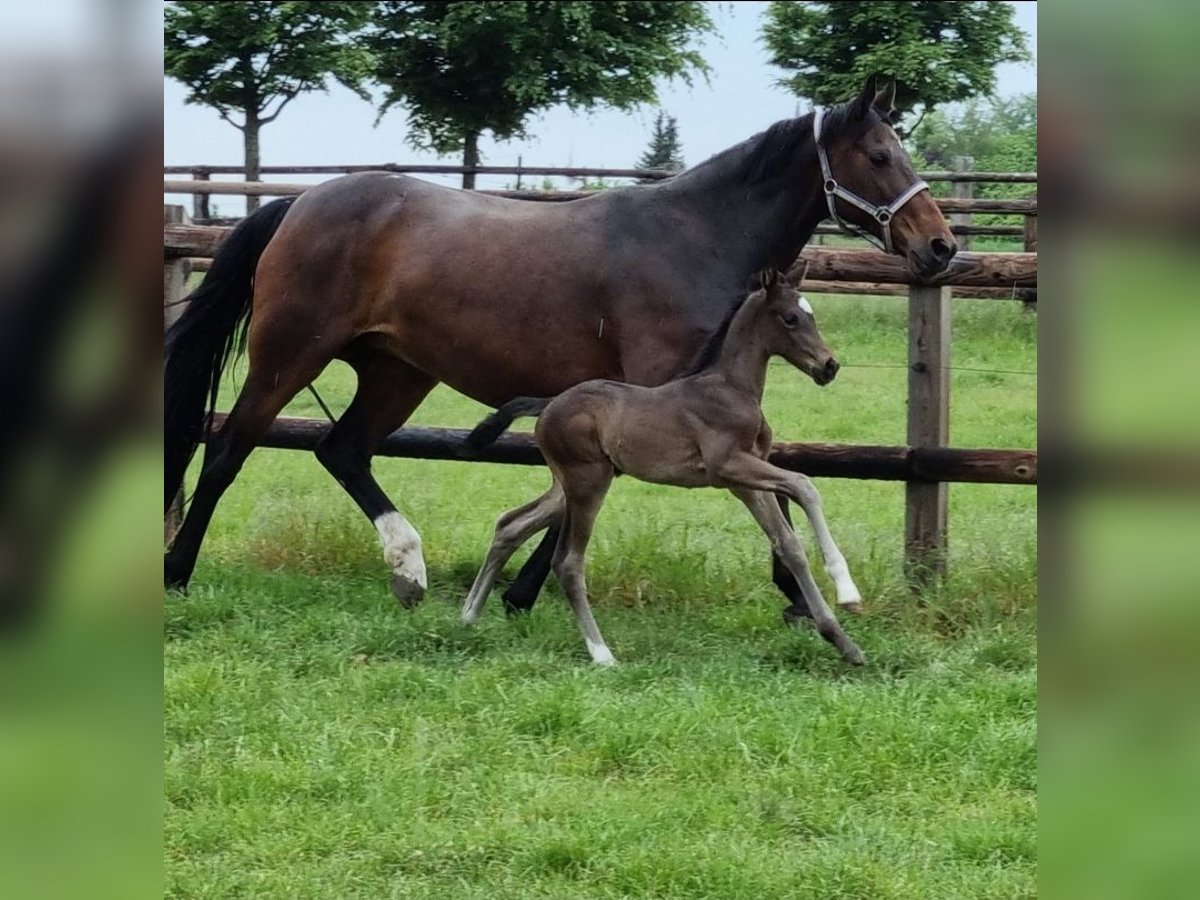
(498, 422)
(212, 328)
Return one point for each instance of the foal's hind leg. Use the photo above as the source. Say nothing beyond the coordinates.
(513, 529)
(783, 578)
(783, 540)
(523, 592)
(388, 392)
(585, 495)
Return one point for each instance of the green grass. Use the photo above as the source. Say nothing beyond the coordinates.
(320, 741)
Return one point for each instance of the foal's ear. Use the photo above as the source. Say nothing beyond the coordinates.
(768, 277)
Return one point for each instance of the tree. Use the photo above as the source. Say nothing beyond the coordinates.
(938, 52)
(252, 59)
(665, 151)
(465, 68)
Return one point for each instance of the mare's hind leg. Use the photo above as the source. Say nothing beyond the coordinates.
(783, 540)
(585, 491)
(523, 592)
(388, 392)
(513, 529)
(266, 391)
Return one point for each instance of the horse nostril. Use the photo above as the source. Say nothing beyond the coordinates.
(831, 367)
(943, 250)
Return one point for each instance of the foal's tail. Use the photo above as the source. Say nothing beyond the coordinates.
(212, 328)
(498, 422)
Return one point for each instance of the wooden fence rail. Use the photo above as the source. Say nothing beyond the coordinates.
(204, 172)
(1004, 270)
(878, 463)
(268, 189)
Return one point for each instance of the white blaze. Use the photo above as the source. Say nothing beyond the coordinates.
(401, 547)
(804, 304)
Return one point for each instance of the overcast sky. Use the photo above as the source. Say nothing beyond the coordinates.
(337, 127)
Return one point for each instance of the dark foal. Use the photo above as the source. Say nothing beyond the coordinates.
(704, 430)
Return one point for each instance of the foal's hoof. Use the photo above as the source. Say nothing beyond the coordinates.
(854, 656)
(407, 591)
(853, 608)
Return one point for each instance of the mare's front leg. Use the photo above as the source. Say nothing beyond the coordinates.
(784, 542)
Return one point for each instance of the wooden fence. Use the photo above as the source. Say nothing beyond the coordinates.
(927, 465)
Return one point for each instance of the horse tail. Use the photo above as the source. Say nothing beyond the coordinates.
(497, 423)
(201, 341)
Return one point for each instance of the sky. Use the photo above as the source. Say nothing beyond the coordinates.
(739, 99)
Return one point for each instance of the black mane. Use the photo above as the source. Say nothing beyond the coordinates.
(766, 154)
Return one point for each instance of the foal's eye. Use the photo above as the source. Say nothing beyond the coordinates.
(880, 158)
(789, 320)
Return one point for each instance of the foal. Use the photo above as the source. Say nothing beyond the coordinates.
(704, 430)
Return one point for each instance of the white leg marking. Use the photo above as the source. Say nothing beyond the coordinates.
(847, 591)
(401, 547)
(601, 655)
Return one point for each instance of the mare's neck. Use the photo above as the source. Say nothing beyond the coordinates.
(743, 360)
(762, 214)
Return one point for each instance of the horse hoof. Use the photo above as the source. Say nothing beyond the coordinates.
(853, 608)
(407, 591)
(173, 579)
(854, 656)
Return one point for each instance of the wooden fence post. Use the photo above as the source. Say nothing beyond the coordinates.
(963, 190)
(928, 426)
(200, 208)
(175, 279)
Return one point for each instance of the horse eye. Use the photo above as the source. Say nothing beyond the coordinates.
(880, 158)
(790, 320)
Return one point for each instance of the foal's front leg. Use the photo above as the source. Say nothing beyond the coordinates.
(748, 471)
(784, 542)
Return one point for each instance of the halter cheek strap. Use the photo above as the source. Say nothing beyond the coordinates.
(881, 214)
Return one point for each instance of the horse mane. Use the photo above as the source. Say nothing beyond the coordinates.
(767, 153)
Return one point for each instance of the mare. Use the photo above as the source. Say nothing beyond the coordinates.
(703, 430)
(413, 284)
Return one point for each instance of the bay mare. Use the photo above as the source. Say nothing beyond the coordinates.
(413, 284)
(703, 430)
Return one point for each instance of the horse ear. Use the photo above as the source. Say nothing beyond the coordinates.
(885, 99)
(767, 277)
(866, 97)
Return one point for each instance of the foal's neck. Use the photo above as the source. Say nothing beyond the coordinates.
(743, 360)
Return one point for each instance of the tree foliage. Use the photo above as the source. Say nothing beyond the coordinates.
(249, 60)
(1000, 135)
(665, 150)
(465, 68)
(938, 52)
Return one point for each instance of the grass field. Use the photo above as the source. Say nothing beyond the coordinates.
(322, 742)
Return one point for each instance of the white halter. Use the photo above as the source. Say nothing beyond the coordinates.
(881, 214)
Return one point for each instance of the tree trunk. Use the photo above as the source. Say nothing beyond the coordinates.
(470, 158)
(253, 173)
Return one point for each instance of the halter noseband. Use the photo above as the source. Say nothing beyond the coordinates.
(881, 214)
